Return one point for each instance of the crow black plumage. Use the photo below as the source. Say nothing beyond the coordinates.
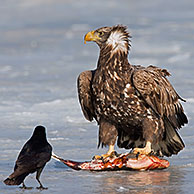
(33, 157)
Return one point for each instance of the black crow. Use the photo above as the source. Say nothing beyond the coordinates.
(33, 157)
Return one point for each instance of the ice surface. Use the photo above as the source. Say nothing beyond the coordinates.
(41, 55)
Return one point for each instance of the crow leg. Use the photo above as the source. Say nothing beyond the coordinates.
(24, 186)
(39, 171)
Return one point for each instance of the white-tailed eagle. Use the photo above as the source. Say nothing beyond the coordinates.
(135, 105)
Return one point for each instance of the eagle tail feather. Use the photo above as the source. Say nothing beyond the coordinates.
(171, 143)
(126, 141)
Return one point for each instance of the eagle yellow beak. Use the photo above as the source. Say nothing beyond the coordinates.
(91, 36)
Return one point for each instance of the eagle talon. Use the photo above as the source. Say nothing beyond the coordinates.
(113, 154)
(151, 153)
(131, 152)
(116, 154)
(137, 155)
(141, 151)
(97, 157)
(144, 151)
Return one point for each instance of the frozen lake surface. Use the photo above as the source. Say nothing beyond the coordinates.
(41, 55)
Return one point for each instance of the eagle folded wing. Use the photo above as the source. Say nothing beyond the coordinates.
(85, 94)
(153, 86)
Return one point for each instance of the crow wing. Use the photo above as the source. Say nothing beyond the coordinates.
(30, 160)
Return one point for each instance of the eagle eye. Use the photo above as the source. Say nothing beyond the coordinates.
(100, 33)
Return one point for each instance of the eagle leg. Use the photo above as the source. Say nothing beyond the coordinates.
(111, 153)
(107, 137)
(144, 151)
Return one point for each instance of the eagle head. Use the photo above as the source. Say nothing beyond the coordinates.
(116, 37)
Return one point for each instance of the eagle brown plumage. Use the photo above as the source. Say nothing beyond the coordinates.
(134, 103)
